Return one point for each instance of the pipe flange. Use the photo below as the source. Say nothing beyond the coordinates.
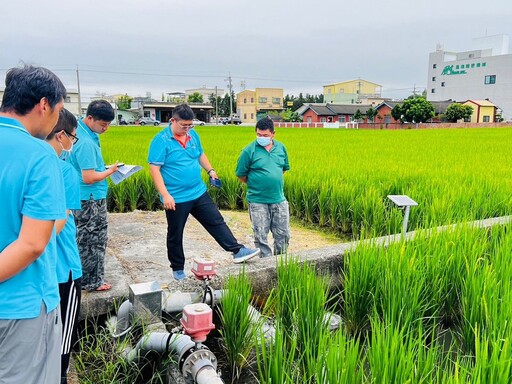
(194, 358)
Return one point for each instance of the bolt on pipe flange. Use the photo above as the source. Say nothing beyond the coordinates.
(195, 358)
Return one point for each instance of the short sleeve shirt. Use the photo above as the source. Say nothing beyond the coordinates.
(179, 166)
(68, 258)
(86, 155)
(30, 185)
(264, 171)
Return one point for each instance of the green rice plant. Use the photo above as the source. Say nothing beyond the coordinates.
(239, 333)
(340, 361)
(132, 192)
(301, 298)
(362, 269)
(276, 359)
(149, 194)
(445, 171)
(119, 195)
(401, 288)
(493, 359)
(395, 355)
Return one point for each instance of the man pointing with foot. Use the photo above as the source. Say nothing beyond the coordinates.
(175, 159)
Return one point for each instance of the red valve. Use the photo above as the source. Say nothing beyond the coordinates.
(203, 268)
(197, 321)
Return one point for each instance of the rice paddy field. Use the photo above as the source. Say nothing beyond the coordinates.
(435, 309)
(339, 179)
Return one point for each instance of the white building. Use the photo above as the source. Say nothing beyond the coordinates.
(482, 73)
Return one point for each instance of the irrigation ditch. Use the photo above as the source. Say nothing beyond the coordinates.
(396, 315)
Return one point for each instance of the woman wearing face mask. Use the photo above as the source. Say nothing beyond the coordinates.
(69, 267)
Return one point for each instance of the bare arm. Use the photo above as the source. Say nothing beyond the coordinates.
(243, 179)
(60, 224)
(32, 240)
(205, 163)
(158, 180)
(90, 176)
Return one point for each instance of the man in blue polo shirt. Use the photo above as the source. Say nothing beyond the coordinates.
(91, 220)
(175, 161)
(261, 165)
(31, 200)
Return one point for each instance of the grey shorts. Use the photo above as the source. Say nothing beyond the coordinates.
(30, 349)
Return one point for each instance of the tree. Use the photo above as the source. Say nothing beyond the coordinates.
(457, 111)
(358, 115)
(396, 112)
(196, 97)
(416, 110)
(371, 113)
(124, 102)
(290, 116)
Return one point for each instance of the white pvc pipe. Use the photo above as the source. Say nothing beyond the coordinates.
(176, 301)
(208, 375)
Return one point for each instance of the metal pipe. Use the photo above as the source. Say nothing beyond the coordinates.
(175, 302)
(160, 342)
(123, 319)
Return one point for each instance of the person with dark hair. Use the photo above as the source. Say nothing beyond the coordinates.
(175, 160)
(91, 220)
(69, 267)
(261, 166)
(31, 200)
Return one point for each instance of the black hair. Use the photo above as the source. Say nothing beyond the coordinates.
(25, 87)
(265, 124)
(100, 110)
(67, 123)
(182, 112)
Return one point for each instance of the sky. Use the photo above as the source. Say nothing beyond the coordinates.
(161, 46)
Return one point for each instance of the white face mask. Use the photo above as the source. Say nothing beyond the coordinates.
(66, 152)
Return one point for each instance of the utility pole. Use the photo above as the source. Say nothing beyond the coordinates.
(359, 91)
(216, 107)
(79, 95)
(230, 99)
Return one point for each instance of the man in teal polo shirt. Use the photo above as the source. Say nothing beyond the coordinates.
(261, 165)
(31, 200)
(91, 220)
(175, 160)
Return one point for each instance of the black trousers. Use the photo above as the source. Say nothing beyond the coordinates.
(206, 212)
(70, 298)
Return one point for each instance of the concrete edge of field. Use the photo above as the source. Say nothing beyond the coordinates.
(262, 272)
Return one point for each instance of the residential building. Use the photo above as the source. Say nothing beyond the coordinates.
(252, 105)
(483, 111)
(163, 111)
(351, 92)
(484, 73)
(331, 113)
(205, 92)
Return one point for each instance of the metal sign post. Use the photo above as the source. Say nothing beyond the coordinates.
(403, 202)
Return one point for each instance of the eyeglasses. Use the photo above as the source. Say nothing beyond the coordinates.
(188, 126)
(73, 138)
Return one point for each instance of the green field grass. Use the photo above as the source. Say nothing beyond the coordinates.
(339, 179)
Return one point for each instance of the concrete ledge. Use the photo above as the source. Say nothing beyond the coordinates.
(262, 272)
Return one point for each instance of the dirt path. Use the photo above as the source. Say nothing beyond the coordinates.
(140, 234)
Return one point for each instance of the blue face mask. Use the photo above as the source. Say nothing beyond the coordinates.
(264, 141)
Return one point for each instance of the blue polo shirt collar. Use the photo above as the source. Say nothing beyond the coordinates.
(9, 122)
(93, 135)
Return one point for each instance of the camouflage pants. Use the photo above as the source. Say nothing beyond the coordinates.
(273, 218)
(91, 237)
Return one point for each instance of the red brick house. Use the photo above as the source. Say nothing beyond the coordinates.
(330, 113)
